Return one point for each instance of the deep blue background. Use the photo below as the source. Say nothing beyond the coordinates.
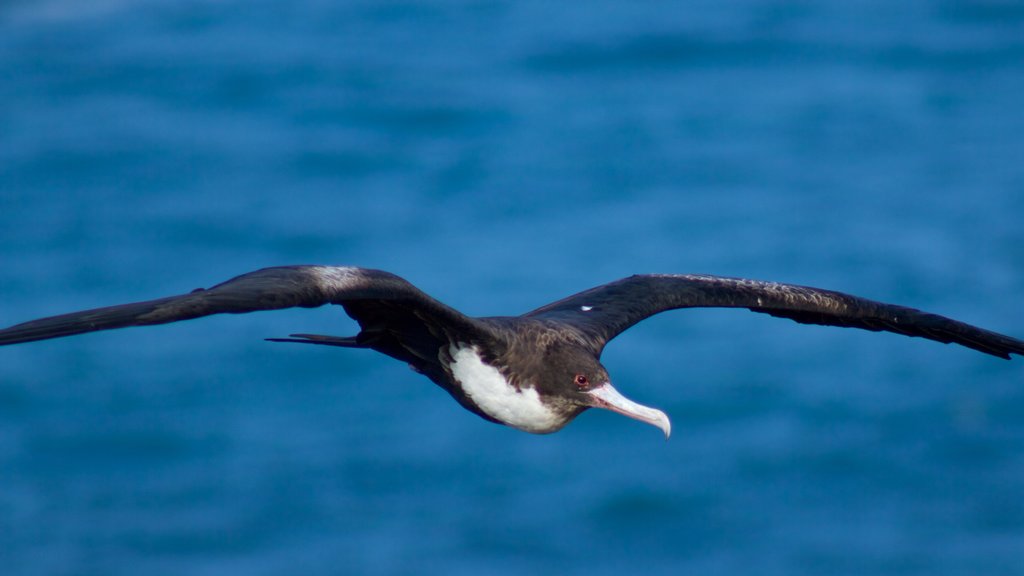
(501, 155)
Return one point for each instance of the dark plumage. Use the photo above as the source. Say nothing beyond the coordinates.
(534, 372)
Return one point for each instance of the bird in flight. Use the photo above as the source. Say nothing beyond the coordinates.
(534, 372)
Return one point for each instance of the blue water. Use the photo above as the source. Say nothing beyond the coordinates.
(501, 155)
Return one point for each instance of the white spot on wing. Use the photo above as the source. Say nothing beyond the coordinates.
(336, 278)
(496, 397)
(586, 308)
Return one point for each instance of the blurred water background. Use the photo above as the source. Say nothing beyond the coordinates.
(501, 155)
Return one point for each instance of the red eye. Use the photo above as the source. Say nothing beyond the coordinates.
(581, 381)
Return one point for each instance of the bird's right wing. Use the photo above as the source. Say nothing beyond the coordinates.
(601, 313)
(265, 289)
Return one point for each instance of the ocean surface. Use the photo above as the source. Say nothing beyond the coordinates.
(501, 155)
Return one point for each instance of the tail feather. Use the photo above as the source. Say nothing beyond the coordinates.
(342, 341)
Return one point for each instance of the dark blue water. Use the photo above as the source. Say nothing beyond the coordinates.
(501, 155)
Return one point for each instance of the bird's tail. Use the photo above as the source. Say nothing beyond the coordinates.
(342, 341)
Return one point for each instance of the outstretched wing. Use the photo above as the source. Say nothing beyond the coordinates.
(603, 312)
(265, 289)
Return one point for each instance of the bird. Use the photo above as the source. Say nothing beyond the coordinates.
(535, 372)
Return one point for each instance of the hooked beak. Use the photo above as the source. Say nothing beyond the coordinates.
(607, 397)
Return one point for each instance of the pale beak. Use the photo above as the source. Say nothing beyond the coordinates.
(607, 397)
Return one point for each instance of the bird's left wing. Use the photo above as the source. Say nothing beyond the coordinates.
(265, 289)
(603, 312)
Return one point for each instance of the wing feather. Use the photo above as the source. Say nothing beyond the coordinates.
(266, 289)
(603, 312)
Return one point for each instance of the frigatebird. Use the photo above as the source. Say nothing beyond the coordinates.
(535, 372)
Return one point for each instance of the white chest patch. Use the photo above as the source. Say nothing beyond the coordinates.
(499, 399)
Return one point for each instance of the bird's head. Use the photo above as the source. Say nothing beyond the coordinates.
(575, 380)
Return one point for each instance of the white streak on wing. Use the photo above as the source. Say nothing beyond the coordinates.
(496, 397)
(586, 308)
(336, 278)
